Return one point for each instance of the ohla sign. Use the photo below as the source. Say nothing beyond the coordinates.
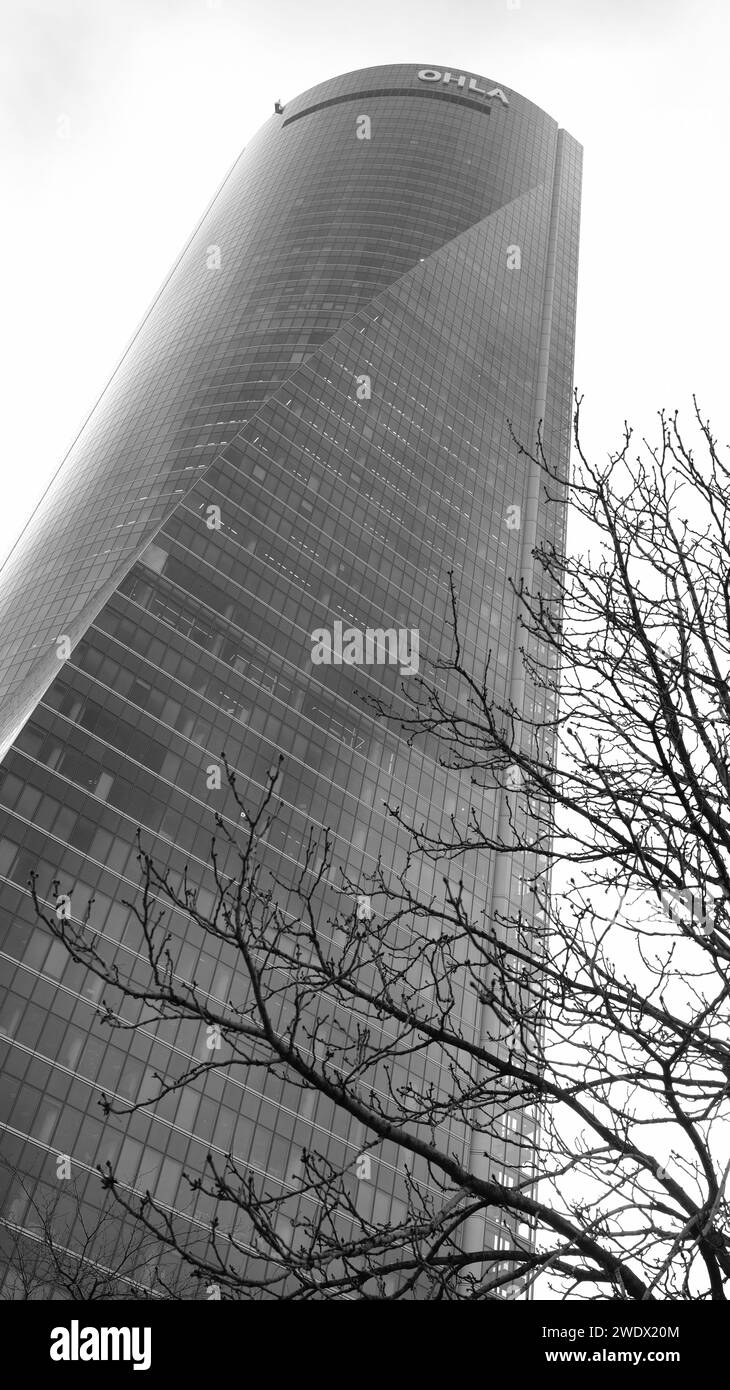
(469, 84)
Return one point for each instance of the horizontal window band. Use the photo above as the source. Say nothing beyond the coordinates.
(392, 92)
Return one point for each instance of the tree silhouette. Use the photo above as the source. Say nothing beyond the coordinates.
(549, 1077)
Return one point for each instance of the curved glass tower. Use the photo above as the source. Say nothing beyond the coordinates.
(308, 431)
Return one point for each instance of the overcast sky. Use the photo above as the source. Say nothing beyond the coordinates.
(119, 118)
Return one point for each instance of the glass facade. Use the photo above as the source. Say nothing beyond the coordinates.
(309, 427)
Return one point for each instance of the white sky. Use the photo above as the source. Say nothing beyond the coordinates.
(160, 96)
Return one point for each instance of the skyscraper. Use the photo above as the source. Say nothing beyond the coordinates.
(307, 432)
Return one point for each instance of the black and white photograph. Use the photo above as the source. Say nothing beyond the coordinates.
(364, 678)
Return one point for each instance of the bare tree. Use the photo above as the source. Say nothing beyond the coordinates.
(548, 1075)
(60, 1249)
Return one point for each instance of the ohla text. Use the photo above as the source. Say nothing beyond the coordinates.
(461, 80)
